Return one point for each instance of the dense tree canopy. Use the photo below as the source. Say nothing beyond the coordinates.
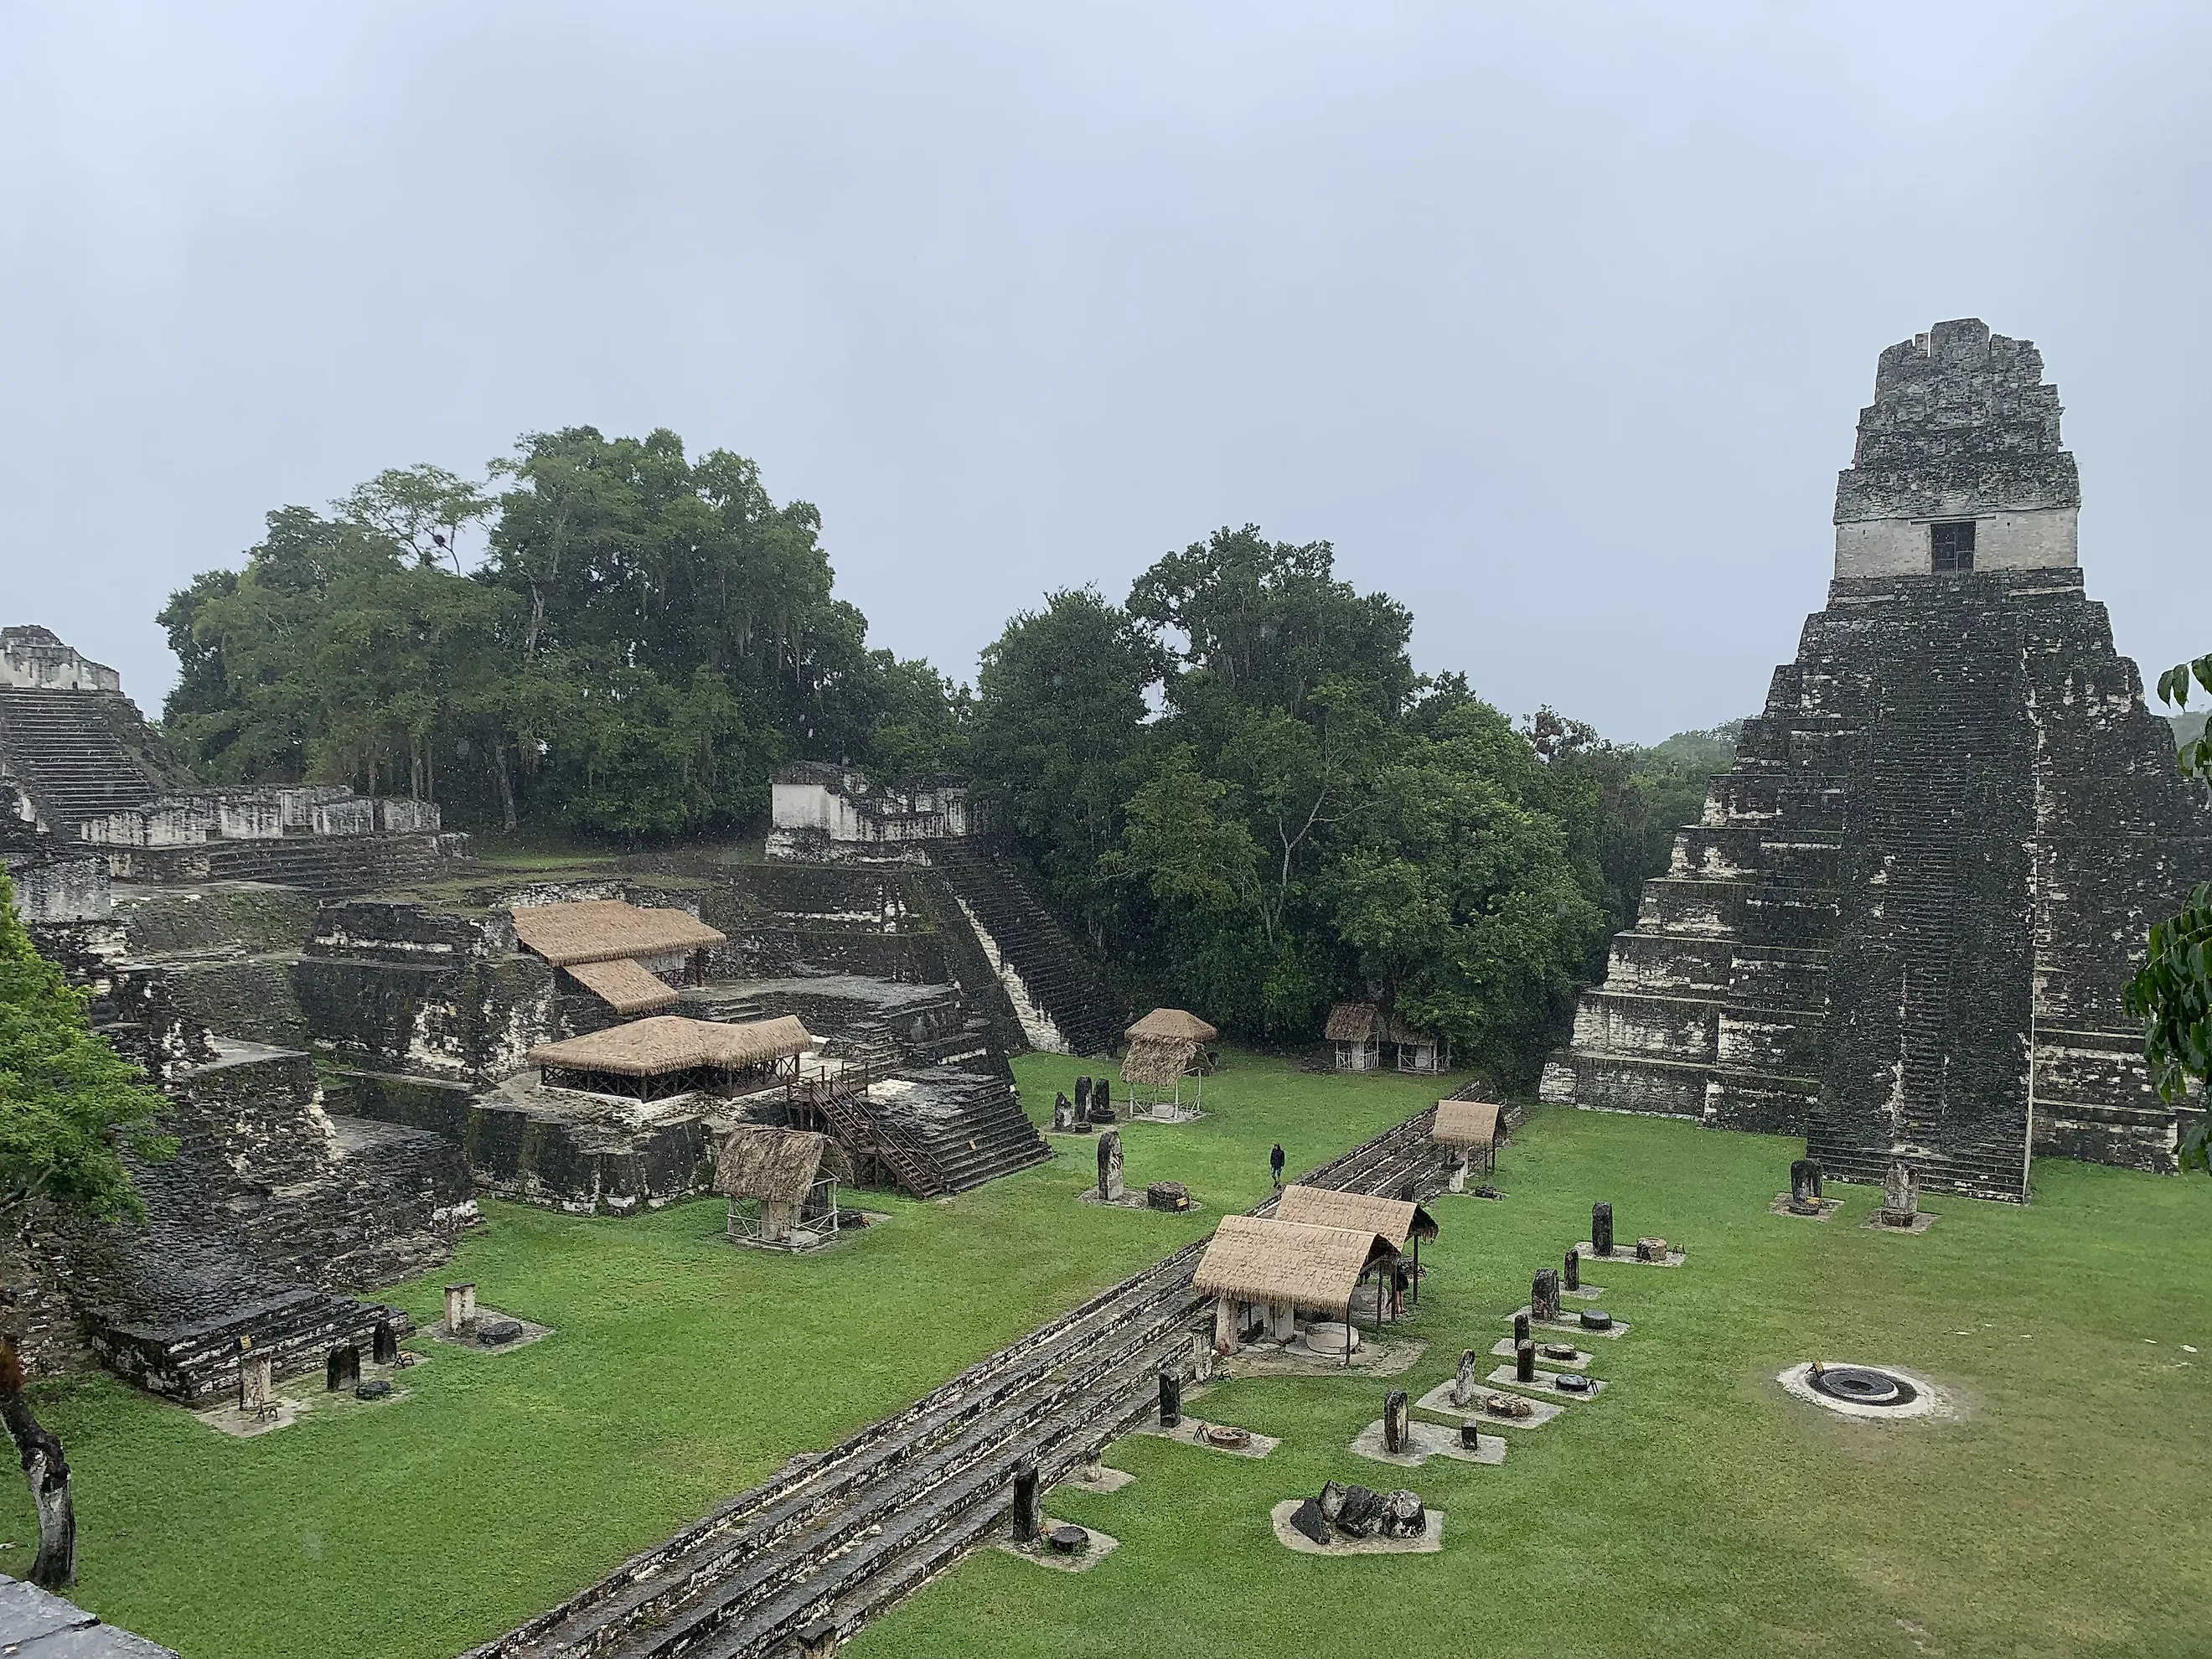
(645, 639)
(2173, 993)
(1235, 784)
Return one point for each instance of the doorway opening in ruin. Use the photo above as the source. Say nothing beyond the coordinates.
(1953, 546)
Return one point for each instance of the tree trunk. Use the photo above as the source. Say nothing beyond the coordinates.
(506, 784)
(47, 1470)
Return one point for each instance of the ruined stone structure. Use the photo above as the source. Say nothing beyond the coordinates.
(825, 814)
(1905, 922)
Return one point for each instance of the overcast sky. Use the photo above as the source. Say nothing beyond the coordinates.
(1554, 319)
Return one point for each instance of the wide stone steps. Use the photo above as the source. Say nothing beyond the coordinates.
(1088, 1013)
(67, 758)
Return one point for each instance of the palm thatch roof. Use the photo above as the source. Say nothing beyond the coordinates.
(669, 1042)
(601, 930)
(1286, 1263)
(1390, 1218)
(777, 1165)
(1157, 1061)
(1172, 1023)
(1400, 1032)
(1471, 1123)
(625, 985)
(1352, 1022)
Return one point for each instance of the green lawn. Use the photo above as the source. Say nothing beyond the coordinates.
(682, 1370)
(1694, 1509)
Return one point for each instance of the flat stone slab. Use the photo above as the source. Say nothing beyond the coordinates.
(1544, 1384)
(298, 1395)
(1828, 1206)
(1503, 1350)
(1430, 1440)
(1167, 1117)
(1369, 1359)
(1106, 1480)
(1627, 1254)
(1921, 1223)
(1584, 1293)
(1102, 1546)
(1439, 1401)
(1616, 1330)
(1133, 1200)
(1431, 1542)
(466, 1336)
(1187, 1432)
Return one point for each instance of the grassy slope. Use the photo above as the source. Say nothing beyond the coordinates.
(1695, 1509)
(681, 1371)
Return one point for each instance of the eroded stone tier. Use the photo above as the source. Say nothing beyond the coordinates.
(1904, 926)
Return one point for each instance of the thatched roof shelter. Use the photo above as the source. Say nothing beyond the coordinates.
(1175, 1023)
(1471, 1124)
(776, 1165)
(1352, 1022)
(603, 930)
(669, 1042)
(1390, 1218)
(1287, 1263)
(1159, 1061)
(625, 985)
(1401, 1032)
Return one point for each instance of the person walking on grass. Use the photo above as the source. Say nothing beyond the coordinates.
(1275, 1165)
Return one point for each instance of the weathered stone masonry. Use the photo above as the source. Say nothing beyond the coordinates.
(1904, 924)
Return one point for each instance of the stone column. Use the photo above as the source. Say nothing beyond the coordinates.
(1028, 1516)
(1457, 1182)
(1544, 1297)
(460, 1306)
(1601, 1229)
(257, 1383)
(343, 1368)
(1083, 1099)
(1524, 1362)
(1520, 1327)
(776, 1221)
(1101, 1101)
(1109, 1167)
(1063, 1114)
(1397, 1436)
(1572, 1279)
(1900, 1196)
(1225, 1324)
(1171, 1398)
(1467, 1382)
(384, 1346)
(1282, 1322)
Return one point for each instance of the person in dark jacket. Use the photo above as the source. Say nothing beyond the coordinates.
(1275, 1165)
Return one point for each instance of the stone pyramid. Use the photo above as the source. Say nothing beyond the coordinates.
(1905, 923)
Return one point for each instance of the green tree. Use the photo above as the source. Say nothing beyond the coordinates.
(71, 1111)
(1059, 721)
(2172, 992)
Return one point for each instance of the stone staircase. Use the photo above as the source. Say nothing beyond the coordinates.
(63, 752)
(1085, 1012)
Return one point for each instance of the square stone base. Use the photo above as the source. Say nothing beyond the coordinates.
(1431, 1542)
(466, 1338)
(1188, 1433)
(1043, 1555)
(1428, 1440)
(1439, 1401)
(1104, 1481)
(1503, 1350)
(1828, 1206)
(1503, 1378)
(1627, 1254)
(1573, 1327)
(1921, 1223)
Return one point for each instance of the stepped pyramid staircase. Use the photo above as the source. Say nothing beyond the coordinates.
(63, 752)
(1086, 1014)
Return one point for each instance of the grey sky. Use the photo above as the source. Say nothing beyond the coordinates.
(1555, 319)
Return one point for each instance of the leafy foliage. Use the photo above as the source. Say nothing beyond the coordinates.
(70, 1108)
(2173, 993)
(1306, 818)
(645, 638)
